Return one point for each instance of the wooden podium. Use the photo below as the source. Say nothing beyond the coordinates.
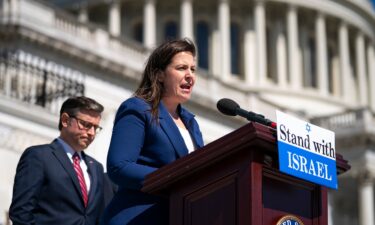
(235, 181)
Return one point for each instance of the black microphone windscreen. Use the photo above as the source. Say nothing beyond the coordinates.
(227, 106)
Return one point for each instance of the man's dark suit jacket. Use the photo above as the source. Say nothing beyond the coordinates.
(46, 189)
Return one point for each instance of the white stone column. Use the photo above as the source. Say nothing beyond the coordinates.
(4, 6)
(83, 14)
(115, 18)
(260, 32)
(13, 7)
(322, 59)
(249, 53)
(215, 57)
(294, 61)
(224, 29)
(149, 23)
(371, 74)
(345, 61)
(366, 201)
(281, 57)
(361, 69)
(187, 19)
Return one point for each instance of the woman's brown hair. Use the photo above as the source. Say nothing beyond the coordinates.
(150, 88)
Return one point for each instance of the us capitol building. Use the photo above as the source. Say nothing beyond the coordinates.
(314, 59)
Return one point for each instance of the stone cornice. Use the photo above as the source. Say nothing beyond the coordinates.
(29, 112)
(349, 11)
(18, 140)
(14, 32)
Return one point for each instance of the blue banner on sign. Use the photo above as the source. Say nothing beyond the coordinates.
(307, 165)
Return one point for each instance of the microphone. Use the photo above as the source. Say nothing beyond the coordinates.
(231, 108)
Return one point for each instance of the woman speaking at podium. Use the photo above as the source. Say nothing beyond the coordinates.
(151, 130)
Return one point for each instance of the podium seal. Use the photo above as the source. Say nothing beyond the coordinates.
(289, 220)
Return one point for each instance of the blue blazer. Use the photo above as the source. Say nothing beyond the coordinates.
(46, 189)
(140, 145)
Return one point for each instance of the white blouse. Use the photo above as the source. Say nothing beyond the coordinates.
(187, 138)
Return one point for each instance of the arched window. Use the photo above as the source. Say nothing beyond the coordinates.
(98, 14)
(235, 48)
(271, 39)
(138, 32)
(309, 64)
(312, 64)
(331, 56)
(170, 30)
(202, 32)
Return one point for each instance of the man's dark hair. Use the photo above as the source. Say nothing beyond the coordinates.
(73, 105)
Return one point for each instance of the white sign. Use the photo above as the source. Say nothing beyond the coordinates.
(306, 151)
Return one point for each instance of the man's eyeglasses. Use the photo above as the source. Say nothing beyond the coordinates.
(84, 125)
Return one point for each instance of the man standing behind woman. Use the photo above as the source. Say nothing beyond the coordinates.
(58, 183)
(151, 130)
